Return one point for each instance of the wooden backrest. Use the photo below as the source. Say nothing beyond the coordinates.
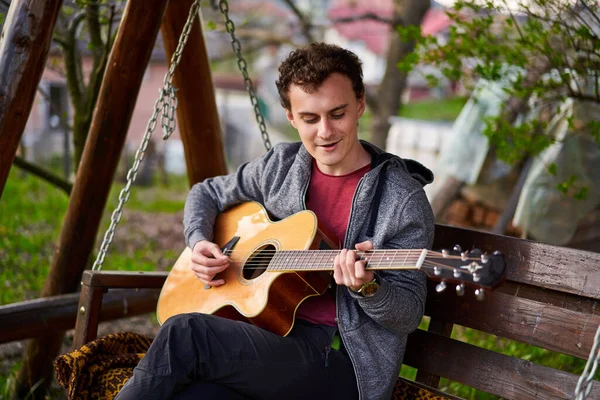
(550, 299)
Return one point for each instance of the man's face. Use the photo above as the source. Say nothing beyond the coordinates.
(327, 123)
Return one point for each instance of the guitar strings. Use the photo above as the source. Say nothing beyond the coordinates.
(376, 253)
(375, 258)
(327, 266)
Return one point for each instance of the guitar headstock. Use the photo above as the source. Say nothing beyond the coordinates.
(465, 268)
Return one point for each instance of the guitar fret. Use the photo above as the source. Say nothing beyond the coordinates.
(381, 257)
(323, 259)
(406, 259)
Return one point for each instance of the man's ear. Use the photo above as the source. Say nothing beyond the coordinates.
(290, 117)
(362, 104)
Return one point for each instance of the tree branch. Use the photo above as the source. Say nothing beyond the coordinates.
(304, 22)
(73, 61)
(264, 35)
(100, 63)
(93, 23)
(44, 174)
(591, 12)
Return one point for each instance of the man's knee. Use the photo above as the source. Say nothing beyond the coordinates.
(182, 320)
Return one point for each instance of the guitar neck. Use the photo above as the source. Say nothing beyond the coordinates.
(322, 260)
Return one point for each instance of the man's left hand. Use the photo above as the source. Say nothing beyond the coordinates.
(348, 271)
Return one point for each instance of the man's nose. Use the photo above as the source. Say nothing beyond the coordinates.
(325, 130)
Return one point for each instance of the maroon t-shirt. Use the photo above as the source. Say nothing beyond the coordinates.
(330, 198)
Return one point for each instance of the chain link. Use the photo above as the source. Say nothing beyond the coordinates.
(584, 385)
(243, 67)
(166, 105)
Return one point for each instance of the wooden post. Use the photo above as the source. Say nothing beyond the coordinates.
(197, 115)
(118, 94)
(24, 46)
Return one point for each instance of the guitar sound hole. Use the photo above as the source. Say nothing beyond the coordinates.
(258, 262)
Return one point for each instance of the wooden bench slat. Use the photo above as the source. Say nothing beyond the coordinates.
(486, 370)
(552, 267)
(524, 320)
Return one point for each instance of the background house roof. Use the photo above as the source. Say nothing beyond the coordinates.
(376, 34)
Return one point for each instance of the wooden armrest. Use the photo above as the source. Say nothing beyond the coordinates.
(124, 279)
(95, 283)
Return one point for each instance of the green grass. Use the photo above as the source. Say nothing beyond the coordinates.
(31, 214)
(434, 110)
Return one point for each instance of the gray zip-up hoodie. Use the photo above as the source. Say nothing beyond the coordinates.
(373, 329)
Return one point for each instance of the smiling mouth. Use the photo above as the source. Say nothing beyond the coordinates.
(328, 145)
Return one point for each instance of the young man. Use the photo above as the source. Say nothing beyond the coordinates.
(366, 197)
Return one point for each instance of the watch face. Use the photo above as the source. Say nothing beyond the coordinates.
(370, 289)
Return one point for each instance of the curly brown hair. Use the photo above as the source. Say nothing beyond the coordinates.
(309, 66)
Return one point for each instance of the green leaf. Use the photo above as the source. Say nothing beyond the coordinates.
(563, 187)
(211, 25)
(582, 193)
(552, 169)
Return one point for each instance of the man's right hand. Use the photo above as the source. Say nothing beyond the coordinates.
(208, 261)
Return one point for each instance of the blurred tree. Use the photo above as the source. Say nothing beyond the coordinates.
(543, 52)
(85, 30)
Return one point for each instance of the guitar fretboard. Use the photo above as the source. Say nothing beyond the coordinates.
(322, 260)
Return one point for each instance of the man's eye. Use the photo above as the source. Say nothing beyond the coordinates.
(338, 116)
(311, 121)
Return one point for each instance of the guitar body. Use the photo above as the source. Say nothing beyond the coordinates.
(266, 299)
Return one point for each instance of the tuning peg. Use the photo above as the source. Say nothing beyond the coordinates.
(479, 294)
(460, 289)
(475, 252)
(445, 253)
(440, 287)
(476, 277)
(457, 248)
(484, 258)
(437, 271)
(457, 273)
(464, 255)
(497, 253)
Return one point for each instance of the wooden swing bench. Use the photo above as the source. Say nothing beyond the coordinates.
(549, 299)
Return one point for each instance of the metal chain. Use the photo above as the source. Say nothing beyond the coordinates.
(243, 67)
(166, 105)
(584, 385)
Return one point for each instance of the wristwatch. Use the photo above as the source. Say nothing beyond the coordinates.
(368, 289)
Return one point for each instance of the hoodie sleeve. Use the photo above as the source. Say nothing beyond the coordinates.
(399, 303)
(212, 196)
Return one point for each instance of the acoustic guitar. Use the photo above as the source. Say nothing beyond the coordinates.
(277, 265)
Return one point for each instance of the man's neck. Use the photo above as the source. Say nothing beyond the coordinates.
(356, 159)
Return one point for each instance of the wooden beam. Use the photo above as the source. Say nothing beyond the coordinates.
(24, 46)
(197, 115)
(32, 318)
(120, 87)
(125, 279)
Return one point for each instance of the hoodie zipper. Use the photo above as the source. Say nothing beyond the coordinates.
(337, 312)
(337, 294)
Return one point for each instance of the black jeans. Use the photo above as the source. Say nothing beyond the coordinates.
(198, 356)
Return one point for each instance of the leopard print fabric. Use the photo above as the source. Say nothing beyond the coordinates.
(407, 390)
(99, 369)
